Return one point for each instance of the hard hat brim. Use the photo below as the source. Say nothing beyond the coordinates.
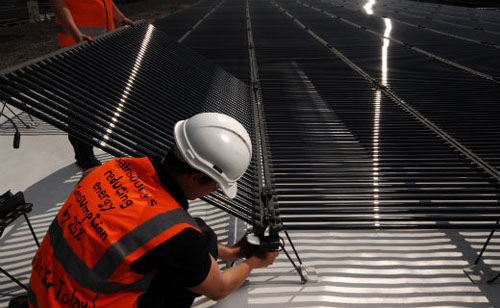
(230, 190)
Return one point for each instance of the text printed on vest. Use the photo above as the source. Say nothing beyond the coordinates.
(66, 296)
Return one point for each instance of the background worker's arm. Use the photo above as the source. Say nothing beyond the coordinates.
(120, 18)
(64, 15)
(218, 284)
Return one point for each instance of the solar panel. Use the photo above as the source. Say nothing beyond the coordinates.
(353, 139)
(344, 155)
(124, 92)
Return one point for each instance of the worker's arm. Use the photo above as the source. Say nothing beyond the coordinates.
(64, 15)
(218, 284)
(228, 253)
(120, 18)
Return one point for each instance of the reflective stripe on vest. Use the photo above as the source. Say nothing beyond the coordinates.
(116, 214)
(92, 17)
(84, 30)
(96, 278)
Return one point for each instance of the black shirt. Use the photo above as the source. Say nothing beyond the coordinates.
(181, 262)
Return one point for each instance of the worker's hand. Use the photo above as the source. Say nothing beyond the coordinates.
(122, 21)
(80, 37)
(265, 261)
(247, 250)
(238, 248)
(231, 253)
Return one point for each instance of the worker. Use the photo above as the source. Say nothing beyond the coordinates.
(124, 237)
(76, 21)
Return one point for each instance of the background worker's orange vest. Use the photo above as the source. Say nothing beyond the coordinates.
(92, 17)
(114, 216)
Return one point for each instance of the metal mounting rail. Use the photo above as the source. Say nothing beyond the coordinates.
(468, 154)
(196, 25)
(459, 25)
(493, 45)
(489, 44)
(409, 46)
(269, 217)
(269, 210)
(416, 11)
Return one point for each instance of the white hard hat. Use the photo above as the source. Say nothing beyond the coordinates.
(216, 145)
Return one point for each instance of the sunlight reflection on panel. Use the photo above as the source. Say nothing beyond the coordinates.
(130, 83)
(368, 7)
(376, 121)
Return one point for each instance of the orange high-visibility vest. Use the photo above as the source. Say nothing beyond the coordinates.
(114, 216)
(92, 17)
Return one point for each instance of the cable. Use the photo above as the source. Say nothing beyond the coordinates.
(17, 134)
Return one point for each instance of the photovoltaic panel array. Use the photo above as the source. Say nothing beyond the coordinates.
(181, 22)
(344, 153)
(125, 91)
(370, 121)
(452, 96)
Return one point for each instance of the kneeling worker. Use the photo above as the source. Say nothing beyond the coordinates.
(124, 237)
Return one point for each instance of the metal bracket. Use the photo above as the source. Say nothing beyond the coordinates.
(270, 226)
(480, 272)
(306, 273)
